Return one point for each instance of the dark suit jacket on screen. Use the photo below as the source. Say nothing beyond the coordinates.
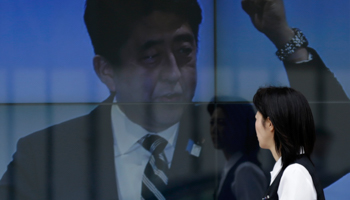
(315, 80)
(75, 160)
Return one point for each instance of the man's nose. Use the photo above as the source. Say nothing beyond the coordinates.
(170, 69)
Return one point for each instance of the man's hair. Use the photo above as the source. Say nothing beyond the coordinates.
(109, 22)
(240, 135)
(292, 119)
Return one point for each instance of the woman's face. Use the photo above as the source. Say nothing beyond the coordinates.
(265, 132)
(218, 126)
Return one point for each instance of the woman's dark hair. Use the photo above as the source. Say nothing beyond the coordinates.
(292, 119)
(109, 22)
(240, 135)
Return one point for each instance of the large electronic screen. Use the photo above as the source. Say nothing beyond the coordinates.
(46, 54)
(47, 77)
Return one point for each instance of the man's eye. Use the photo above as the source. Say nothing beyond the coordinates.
(185, 50)
(149, 59)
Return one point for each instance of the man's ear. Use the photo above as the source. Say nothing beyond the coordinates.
(104, 71)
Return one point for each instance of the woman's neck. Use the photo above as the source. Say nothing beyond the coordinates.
(275, 154)
(227, 154)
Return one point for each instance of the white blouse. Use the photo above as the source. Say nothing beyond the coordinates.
(296, 182)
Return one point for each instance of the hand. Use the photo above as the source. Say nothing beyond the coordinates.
(268, 17)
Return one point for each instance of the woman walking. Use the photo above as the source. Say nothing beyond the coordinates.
(285, 125)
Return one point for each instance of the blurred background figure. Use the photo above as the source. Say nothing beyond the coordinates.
(232, 131)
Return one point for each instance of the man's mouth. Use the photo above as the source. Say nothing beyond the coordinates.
(170, 98)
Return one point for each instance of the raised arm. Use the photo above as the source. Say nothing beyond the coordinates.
(268, 17)
(305, 69)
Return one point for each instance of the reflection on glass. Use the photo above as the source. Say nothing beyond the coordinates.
(232, 131)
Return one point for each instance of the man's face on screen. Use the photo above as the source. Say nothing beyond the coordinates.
(158, 70)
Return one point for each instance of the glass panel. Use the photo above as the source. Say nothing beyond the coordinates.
(61, 135)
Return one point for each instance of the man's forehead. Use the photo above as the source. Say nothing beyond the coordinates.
(161, 20)
(160, 26)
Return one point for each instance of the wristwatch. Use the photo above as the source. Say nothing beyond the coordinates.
(299, 40)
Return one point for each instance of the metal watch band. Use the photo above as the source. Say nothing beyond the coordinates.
(299, 40)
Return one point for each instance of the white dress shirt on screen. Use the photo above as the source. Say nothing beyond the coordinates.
(130, 157)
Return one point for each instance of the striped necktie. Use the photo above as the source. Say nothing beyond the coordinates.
(155, 178)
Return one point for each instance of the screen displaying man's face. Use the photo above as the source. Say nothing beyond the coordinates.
(158, 65)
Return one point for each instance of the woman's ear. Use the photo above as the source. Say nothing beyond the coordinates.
(104, 71)
(269, 125)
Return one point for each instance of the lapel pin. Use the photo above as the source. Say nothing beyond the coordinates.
(193, 149)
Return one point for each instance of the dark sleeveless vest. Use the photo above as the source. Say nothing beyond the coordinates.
(226, 192)
(304, 161)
